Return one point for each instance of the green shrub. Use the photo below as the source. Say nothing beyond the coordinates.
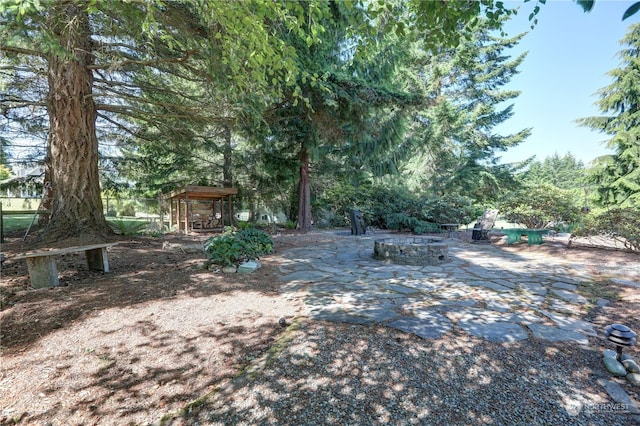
(620, 224)
(543, 206)
(256, 242)
(450, 208)
(234, 247)
(401, 222)
(327, 218)
(127, 209)
(128, 228)
(245, 225)
(374, 202)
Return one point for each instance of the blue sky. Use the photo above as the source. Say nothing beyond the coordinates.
(570, 53)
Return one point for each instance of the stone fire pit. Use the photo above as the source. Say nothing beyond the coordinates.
(412, 250)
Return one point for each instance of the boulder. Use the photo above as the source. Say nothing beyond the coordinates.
(614, 367)
(248, 267)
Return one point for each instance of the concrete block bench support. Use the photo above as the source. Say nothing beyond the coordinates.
(43, 270)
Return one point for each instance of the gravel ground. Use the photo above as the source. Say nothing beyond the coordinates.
(353, 375)
(130, 346)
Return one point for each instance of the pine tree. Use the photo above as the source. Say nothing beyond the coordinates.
(88, 53)
(564, 172)
(455, 141)
(342, 95)
(617, 176)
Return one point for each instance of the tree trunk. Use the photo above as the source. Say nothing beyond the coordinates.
(76, 205)
(43, 219)
(227, 173)
(304, 192)
(227, 167)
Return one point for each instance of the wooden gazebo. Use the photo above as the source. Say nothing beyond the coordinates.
(200, 208)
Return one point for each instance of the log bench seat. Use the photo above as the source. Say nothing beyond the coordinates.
(43, 271)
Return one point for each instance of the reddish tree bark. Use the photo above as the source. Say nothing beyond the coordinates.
(76, 205)
(304, 191)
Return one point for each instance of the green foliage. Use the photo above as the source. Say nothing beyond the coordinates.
(541, 206)
(375, 203)
(617, 176)
(234, 247)
(620, 224)
(127, 209)
(257, 242)
(128, 228)
(450, 208)
(395, 207)
(402, 221)
(5, 172)
(455, 139)
(564, 172)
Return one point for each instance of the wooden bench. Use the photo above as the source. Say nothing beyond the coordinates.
(43, 271)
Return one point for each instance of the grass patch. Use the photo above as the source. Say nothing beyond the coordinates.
(128, 226)
(600, 289)
(17, 222)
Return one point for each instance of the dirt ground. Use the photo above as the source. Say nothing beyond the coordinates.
(159, 331)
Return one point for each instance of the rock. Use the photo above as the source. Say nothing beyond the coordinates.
(569, 296)
(631, 366)
(626, 357)
(229, 270)
(282, 322)
(610, 353)
(248, 267)
(601, 303)
(614, 367)
(628, 283)
(555, 334)
(618, 394)
(564, 286)
(633, 378)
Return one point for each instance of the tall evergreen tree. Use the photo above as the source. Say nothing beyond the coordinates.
(90, 49)
(617, 176)
(340, 98)
(454, 133)
(564, 172)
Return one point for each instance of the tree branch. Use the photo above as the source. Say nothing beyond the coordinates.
(21, 51)
(120, 64)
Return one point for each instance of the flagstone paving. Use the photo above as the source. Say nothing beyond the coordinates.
(486, 291)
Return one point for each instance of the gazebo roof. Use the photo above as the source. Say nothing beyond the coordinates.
(202, 192)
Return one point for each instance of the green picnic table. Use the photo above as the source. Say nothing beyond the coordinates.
(534, 236)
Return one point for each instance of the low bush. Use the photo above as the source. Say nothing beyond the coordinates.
(450, 208)
(234, 246)
(401, 222)
(392, 207)
(127, 209)
(128, 228)
(375, 203)
(620, 224)
(542, 206)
